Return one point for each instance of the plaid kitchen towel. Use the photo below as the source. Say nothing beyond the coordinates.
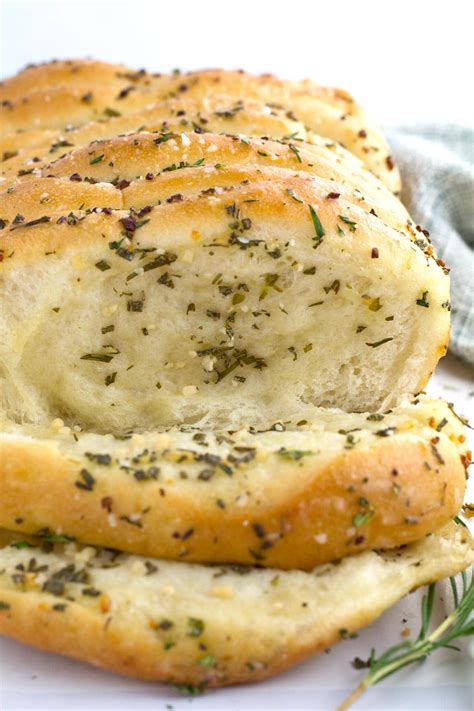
(437, 167)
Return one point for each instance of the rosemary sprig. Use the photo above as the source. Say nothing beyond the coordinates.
(458, 624)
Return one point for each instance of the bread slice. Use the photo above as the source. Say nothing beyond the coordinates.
(65, 94)
(234, 305)
(204, 625)
(301, 494)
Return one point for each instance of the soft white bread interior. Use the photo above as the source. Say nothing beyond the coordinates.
(239, 298)
(303, 493)
(204, 625)
(65, 95)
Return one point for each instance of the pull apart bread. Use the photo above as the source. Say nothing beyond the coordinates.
(216, 322)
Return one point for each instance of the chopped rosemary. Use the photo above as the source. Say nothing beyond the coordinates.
(458, 624)
(189, 689)
(207, 661)
(293, 454)
(423, 301)
(109, 379)
(294, 150)
(376, 344)
(351, 224)
(318, 228)
(97, 159)
(98, 357)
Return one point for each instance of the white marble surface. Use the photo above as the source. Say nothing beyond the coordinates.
(34, 681)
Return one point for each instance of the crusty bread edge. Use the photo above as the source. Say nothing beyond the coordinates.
(77, 633)
(421, 486)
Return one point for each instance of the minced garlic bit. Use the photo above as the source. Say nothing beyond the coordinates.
(162, 441)
(138, 568)
(57, 424)
(208, 363)
(321, 538)
(190, 390)
(84, 555)
(187, 257)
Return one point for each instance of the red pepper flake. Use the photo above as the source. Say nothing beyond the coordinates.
(363, 133)
(106, 503)
(129, 223)
(419, 228)
(122, 184)
(76, 177)
(375, 253)
(390, 162)
(332, 196)
(125, 92)
(175, 198)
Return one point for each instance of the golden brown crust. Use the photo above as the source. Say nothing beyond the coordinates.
(146, 171)
(328, 112)
(301, 510)
(248, 634)
(25, 151)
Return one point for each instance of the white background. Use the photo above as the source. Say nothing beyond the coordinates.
(403, 59)
(406, 61)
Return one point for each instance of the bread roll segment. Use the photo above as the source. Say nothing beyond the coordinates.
(313, 493)
(24, 152)
(204, 625)
(148, 167)
(89, 90)
(233, 285)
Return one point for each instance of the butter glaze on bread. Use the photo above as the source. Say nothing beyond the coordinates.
(148, 167)
(26, 151)
(58, 95)
(292, 497)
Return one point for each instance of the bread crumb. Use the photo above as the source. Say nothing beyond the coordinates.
(57, 424)
(226, 592)
(189, 390)
(188, 257)
(138, 568)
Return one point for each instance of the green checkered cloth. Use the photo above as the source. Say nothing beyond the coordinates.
(437, 167)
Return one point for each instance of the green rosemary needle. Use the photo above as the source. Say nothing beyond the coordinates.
(458, 624)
